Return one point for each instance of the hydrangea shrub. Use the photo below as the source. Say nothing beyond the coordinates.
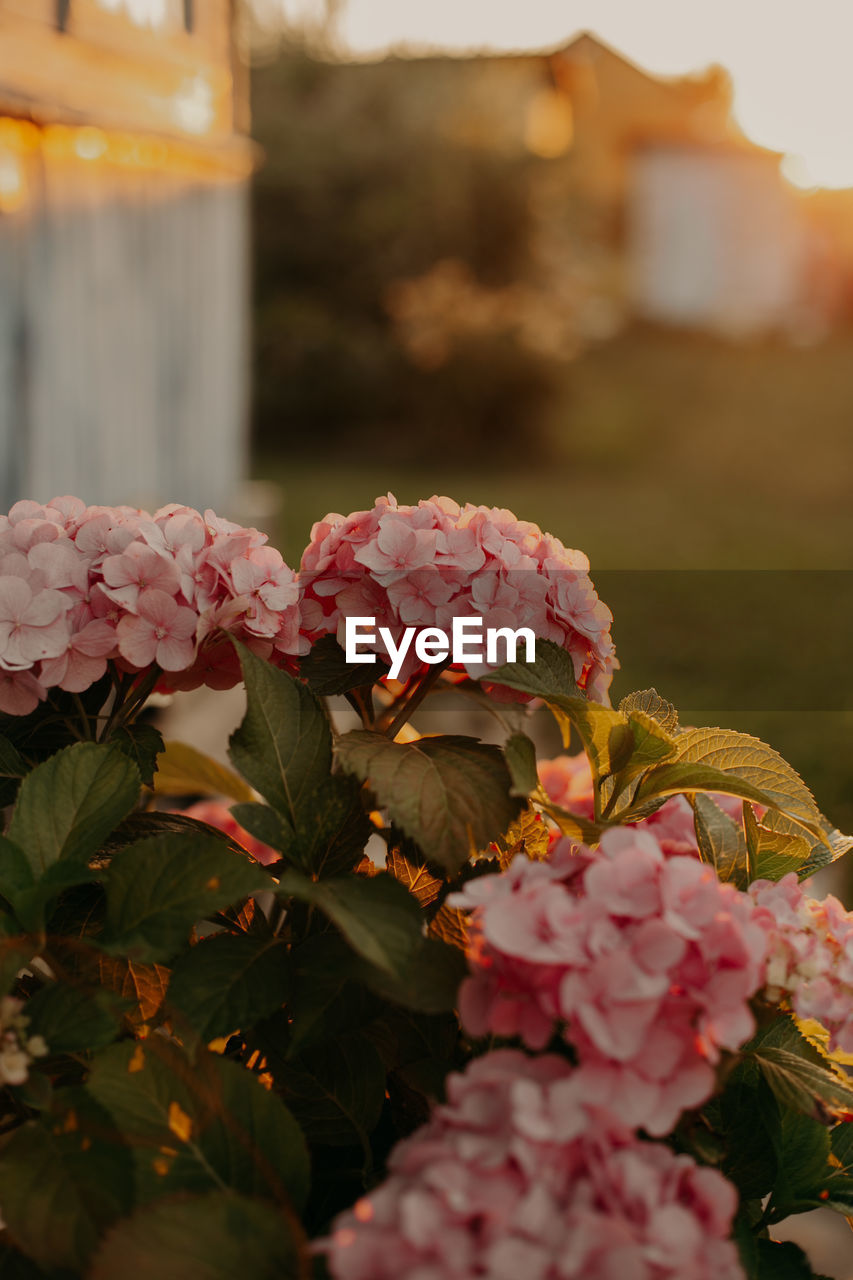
(370, 1002)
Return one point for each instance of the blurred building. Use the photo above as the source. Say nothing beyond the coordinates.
(649, 203)
(124, 161)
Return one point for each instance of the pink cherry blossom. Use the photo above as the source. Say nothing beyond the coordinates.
(523, 1174)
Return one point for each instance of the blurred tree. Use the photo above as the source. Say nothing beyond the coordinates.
(360, 191)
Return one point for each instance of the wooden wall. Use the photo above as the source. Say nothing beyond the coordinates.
(105, 69)
(123, 259)
(123, 335)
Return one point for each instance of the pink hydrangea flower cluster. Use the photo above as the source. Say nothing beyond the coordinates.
(522, 1174)
(422, 566)
(810, 955)
(217, 814)
(645, 963)
(83, 586)
(567, 780)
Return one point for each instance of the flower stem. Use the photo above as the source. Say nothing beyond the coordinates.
(425, 686)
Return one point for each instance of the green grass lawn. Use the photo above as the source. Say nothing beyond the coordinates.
(678, 453)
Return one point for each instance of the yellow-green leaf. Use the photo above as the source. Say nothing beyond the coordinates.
(184, 771)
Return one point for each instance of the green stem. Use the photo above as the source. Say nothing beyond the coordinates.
(425, 686)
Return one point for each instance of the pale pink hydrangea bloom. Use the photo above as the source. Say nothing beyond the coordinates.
(810, 955)
(645, 963)
(217, 814)
(17, 1048)
(523, 1174)
(81, 587)
(422, 566)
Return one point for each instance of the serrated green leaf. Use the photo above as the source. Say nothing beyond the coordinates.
(552, 673)
(327, 998)
(751, 1135)
(327, 671)
(799, 1075)
(520, 756)
(159, 888)
(604, 732)
(208, 1237)
(142, 743)
(62, 1181)
(228, 982)
(284, 744)
(735, 764)
(451, 795)
(73, 1019)
(331, 829)
(68, 806)
(12, 763)
(184, 771)
(783, 1260)
(721, 841)
(428, 983)
(335, 1090)
(650, 702)
(379, 918)
(265, 825)
(221, 1126)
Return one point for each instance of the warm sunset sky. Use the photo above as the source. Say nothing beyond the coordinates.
(791, 60)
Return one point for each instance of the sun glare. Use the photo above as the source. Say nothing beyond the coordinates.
(789, 63)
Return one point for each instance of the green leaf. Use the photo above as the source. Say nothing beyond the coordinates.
(785, 1260)
(331, 828)
(379, 918)
(63, 1179)
(327, 998)
(73, 1019)
(335, 1090)
(12, 763)
(552, 673)
(804, 1170)
(184, 771)
(520, 756)
(804, 1086)
(265, 825)
(141, 986)
(604, 732)
(33, 905)
(650, 702)
(721, 841)
(159, 888)
(218, 1125)
(15, 954)
(16, 873)
(751, 1134)
(797, 1072)
(428, 983)
(451, 795)
(284, 744)
(142, 744)
(228, 982)
(69, 805)
(209, 1237)
(736, 764)
(327, 671)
